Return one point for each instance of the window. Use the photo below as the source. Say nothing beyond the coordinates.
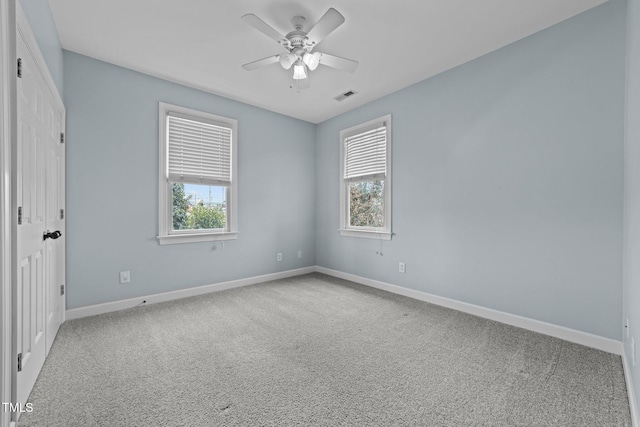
(198, 176)
(365, 174)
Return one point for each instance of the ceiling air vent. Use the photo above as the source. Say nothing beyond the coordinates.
(345, 95)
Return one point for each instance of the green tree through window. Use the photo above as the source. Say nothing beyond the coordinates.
(195, 217)
(366, 204)
(180, 206)
(201, 217)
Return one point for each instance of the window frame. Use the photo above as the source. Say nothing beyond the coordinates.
(166, 234)
(380, 233)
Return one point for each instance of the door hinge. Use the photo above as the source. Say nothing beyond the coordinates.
(19, 362)
(61, 213)
(19, 215)
(19, 68)
(61, 138)
(61, 289)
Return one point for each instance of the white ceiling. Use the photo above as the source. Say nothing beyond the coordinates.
(203, 43)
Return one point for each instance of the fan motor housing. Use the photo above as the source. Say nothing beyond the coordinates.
(297, 38)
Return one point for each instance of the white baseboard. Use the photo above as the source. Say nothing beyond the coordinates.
(92, 310)
(572, 335)
(633, 407)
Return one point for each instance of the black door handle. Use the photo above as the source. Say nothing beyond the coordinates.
(51, 235)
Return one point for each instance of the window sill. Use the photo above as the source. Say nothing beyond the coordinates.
(367, 234)
(174, 239)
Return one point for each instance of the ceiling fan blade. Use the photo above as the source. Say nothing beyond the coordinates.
(325, 26)
(339, 63)
(261, 62)
(263, 27)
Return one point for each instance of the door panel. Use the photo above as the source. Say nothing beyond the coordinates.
(40, 195)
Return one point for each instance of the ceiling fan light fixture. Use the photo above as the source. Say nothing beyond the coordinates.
(299, 72)
(312, 60)
(287, 60)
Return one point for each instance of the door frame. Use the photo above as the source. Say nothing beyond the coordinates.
(7, 199)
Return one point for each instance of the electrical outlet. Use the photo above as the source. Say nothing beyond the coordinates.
(125, 277)
(402, 267)
(299, 254)
(279, 256)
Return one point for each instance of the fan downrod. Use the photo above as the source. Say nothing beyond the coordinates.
(298, 22)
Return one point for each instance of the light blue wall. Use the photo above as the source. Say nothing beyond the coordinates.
(508, 179)
(631, 288)
(40, 19)
(112, 188)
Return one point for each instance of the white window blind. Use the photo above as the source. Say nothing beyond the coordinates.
(366, 154)
(198, 151)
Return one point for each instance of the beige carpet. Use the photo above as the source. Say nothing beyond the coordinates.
(315, 350)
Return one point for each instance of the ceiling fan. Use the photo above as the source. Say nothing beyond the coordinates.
(299, 45)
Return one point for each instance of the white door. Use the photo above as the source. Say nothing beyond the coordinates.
(40, 196)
